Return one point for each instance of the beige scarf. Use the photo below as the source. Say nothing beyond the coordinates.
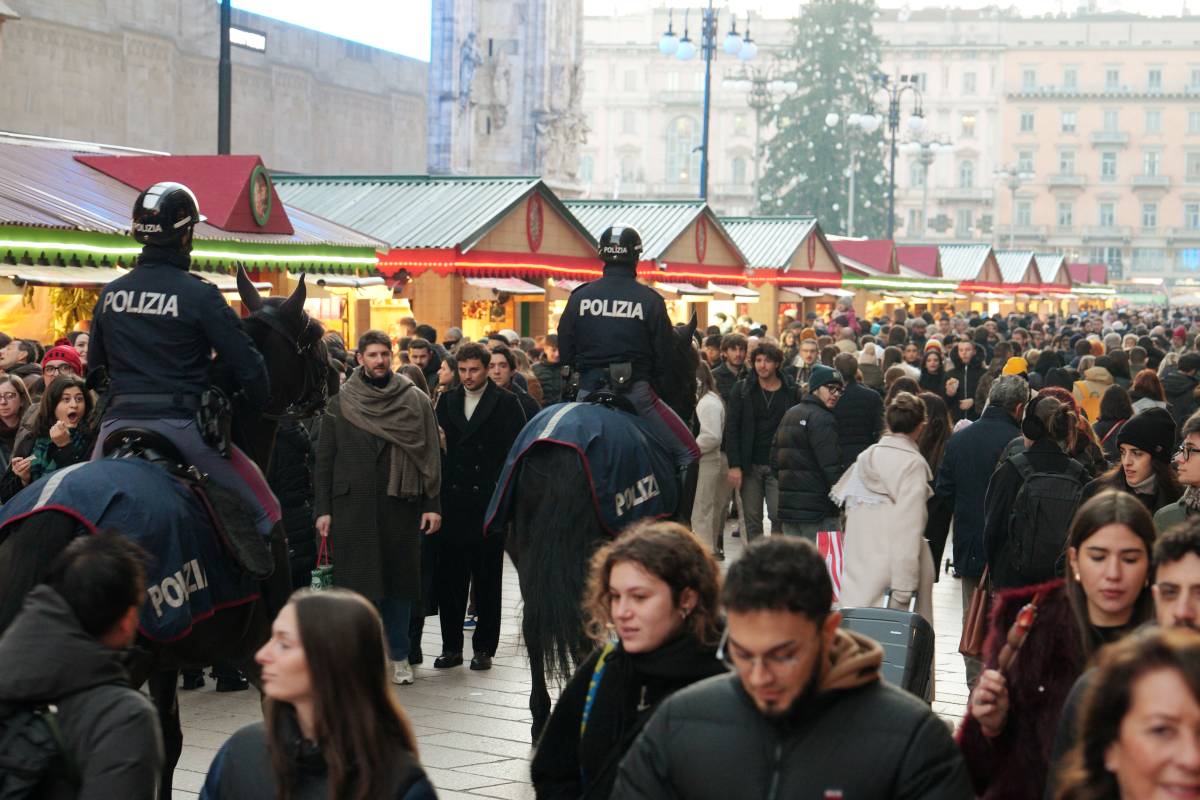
(404, 420)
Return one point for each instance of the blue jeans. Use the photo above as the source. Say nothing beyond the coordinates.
(395, 613)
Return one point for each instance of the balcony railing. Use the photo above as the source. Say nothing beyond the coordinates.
(1035, 232)
(968, 194)
(1108, 232)
(1151, 181)
(1066, 180)
(1184, 234)
(1110, 138)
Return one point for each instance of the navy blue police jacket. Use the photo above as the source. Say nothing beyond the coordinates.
(615, 319)
(155, 330)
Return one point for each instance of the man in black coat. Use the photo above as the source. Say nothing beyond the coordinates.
(733, 364)
(1180, 387)
(807, 458)
(968, 371)
(480, 422)
(970, 459)
(859, 412)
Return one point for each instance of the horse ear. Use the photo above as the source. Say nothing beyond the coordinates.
(294, 305)
(691, 327)
(250, 296)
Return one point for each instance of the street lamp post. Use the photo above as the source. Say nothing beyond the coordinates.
(761, 87)
(926, 151)
(832, 120)
(916, 124)
(741, 46)
(1014, 179)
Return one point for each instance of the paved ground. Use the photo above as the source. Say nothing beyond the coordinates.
(473, 727)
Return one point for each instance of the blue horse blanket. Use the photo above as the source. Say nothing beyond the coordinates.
(190, 577)
(631, 475)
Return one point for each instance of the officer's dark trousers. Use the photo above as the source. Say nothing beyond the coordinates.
(462, 559)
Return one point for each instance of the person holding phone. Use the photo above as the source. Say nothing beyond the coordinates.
(377, 489)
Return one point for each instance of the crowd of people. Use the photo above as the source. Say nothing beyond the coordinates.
(1048, 463)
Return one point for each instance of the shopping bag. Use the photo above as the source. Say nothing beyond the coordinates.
(829, 545)
(322, 574)
(974, 630)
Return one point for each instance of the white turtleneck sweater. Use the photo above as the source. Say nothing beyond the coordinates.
(472, 400)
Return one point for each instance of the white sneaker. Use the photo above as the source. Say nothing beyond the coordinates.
(402, 673)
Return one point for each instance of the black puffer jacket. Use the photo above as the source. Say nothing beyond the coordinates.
(291, 481)
(550, 376)
(725, 378)
(968, 377)
(738, 443)
(859, 415)
(1180, 389)
(807, 459)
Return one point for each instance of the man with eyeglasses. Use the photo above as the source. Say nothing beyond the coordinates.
(804, 713)
(806, 457)
(1187, 470)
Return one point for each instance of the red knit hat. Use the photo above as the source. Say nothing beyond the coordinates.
(64, 352)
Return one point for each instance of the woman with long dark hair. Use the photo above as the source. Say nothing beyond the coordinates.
(934, 377)
(1116, 408)
(1139, 721)
(333, 725)
(1146, 444)
(932, 444)
(712, 479)
(62, 436)
(14, 402)
(1012, 715)
(651, 606)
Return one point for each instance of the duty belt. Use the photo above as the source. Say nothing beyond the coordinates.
(188, 402)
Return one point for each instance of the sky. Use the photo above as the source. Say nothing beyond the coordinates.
(402, 26)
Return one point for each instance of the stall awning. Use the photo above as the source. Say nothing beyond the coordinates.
(510, 285)
(682, 290)
(79, 277)
(839, 292)
(739, 293)
(345, 281)
(800, 291)
(228, 283)
(566, 285)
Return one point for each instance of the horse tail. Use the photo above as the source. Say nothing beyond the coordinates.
(27, 548)
(555, 531)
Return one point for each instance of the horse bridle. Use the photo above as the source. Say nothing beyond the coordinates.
(315, 389)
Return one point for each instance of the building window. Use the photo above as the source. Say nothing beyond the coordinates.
(1028, 79)
(1112, 78)
(1024, 215)
(1191, 216)
(916, 173)
(1108, 215)
(1025, 161)
(672, 81)
(1146, 259)
(1150, 162)
(1193, 122)
(1070, 79)
(1154, 121)
(740, 126)
(683, 159)
(739, 171)
(1194, 80)
(1112, 120)
(1066, 214)
(1154, 79)
(966, 174)
(1149, 216)
(1110, 256)
(967, 121)
(629, 170)
(964, 223)
(1026, 122)
(1068, 122)
(916, 222)
(968, 83)
(629, 122)
(1191, 163)
(1066, 162)
(631, 80)
(1108, 167)
(587, 166)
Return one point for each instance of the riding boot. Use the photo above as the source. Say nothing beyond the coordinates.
(229, 679)
(685, 490)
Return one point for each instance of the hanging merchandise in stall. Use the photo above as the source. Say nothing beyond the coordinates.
(684, 249)
(790, 264)
(448, 233)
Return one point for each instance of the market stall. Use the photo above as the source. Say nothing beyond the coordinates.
(451, 238)
(1023, 284)
(975, 269)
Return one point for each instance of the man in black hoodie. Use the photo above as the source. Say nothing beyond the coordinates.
(64, 649)
(968, 371)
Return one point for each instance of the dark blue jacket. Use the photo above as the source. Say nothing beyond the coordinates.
(613, 320)
(971, 457)
(156, 328)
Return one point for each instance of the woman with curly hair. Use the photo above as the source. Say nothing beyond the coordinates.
(651, 606)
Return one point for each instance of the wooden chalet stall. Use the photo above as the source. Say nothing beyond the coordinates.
(479, 253)
(686, 252)
(65, 213)
(975, 269)
(1022, 280)
(923, 263)
(873, 276)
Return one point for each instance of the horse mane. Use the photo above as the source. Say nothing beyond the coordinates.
(676, 385)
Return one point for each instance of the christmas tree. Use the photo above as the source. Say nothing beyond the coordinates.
(834, 54)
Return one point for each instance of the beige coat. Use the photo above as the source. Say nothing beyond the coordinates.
(884, 496)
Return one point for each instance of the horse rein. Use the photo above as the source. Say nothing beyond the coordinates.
(314, 391)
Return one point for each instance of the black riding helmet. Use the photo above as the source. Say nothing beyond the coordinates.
(621, 244)
(165, 215)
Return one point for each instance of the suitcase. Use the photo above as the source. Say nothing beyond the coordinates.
(907, 640)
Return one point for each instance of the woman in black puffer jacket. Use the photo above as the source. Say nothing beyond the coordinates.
(291, 480)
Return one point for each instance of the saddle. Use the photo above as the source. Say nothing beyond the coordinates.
(228, 514)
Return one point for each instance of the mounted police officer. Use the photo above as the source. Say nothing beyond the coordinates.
(616, 333)
(154, 331)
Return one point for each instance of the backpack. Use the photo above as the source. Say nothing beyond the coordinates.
(31, 748)
(1037, 526)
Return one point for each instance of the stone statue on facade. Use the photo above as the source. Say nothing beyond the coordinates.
(469, 61)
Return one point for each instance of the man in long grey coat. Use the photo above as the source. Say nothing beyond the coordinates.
(377, 489)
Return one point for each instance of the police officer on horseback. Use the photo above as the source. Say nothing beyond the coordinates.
(616, 334)
(153, 333)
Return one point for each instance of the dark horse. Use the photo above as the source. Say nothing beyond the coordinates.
(554, 532)
(301, 379)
